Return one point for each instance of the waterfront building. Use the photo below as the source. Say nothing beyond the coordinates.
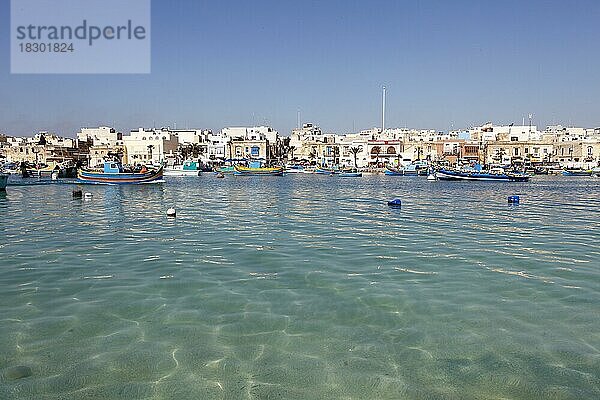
(259, 143)
(44, 147)
(150, 145)
(102, 152)
(101, 136)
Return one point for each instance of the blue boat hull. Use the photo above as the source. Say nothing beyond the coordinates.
(577, 173)
(120, 178)
(449, 175)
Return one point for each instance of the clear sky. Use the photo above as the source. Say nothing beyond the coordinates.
(226, 63)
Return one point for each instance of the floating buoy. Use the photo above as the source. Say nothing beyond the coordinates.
(171, 212)
(513, 199)
(88, 195)
(54, 175)
(77, 194)
(431, 177)
(396, 203)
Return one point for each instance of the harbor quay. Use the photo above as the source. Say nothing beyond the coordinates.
(516, 147)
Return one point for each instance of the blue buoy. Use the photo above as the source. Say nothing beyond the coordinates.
(396, 203)
(513, 199)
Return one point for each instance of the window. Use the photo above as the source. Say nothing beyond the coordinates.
(590, 150)
(516, 152)
(514, 138)
(526, 150)
(392, 150)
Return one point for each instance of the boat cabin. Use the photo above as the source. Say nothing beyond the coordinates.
(190, 166)
(112, 167)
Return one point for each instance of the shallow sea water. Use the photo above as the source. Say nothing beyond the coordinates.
(302, 287)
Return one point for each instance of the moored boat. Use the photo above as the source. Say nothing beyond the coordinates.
(392, 171)
(188, 168)
(480, 175)
(596, 171)
(240, 170)
(350, 174)
(577, 172)
(114, 173)
(294, 169)
(229, 169)
(325, 171)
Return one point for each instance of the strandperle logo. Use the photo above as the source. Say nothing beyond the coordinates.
(80, 36)
(85, 31)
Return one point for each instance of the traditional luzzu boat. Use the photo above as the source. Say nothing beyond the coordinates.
(3, 181)
(577, 172)
(392, 171)
(188, 168)
(294, 169)
(325, 171)
(249, 171)
(349, 174)
(480, 175)
(114, 174)
(226, 169)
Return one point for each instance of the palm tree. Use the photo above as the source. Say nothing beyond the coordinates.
(150, 147)
(355, 151)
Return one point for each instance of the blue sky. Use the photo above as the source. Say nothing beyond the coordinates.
(227, 63)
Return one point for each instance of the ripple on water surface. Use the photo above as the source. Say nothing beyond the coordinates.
(301, 287)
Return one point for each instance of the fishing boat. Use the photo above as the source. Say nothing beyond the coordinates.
(113, 173)
(225, 169)
(294, 169)
(188, 168)
(497, 174)
(577, 172)
(392, 171)
(349, 174)
(3, 181)
(249, 171)
(325, 171)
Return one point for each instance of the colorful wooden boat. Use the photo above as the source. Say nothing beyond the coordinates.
(325, 171)
(226, 169)
(188, 168)
(577, 172)
(475, 175)
(349, 174)
(114, 174)
(239, 170)
(392, 171)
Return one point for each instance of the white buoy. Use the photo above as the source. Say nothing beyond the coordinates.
(431, 177)
(88, 195)
(54, 175)
(171, 212)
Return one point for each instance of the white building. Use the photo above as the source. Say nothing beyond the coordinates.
(101, 136)
(150, 145)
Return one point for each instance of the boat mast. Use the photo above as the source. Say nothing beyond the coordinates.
(383, 111)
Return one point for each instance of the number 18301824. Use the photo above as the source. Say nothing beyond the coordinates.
(46, 47)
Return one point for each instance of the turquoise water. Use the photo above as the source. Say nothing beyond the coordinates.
(302, 287)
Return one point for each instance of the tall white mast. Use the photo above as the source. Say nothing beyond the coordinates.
(383, 111)
(298, 116)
